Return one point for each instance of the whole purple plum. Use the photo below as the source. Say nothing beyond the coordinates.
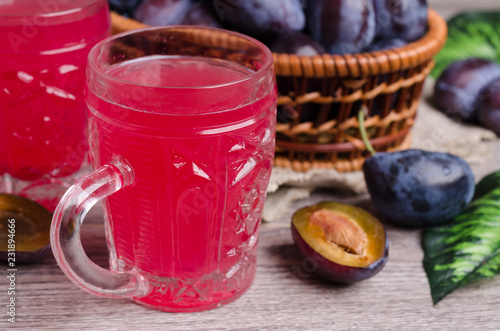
(296, 43)
(387, 43)
(261, 17)
(124, 7)
(404, 19)
(418, 188)
(201, 14)
(162, 12)
(458, 87)
(488, 111)
(342, 26)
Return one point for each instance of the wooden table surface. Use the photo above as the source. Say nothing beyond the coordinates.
(284, 296)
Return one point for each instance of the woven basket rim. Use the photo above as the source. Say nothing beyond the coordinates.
(368, 63)
(348, 65)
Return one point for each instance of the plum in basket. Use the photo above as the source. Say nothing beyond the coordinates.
(261, 17)
(296, 43)
(341, 26)
(162, 12)
(403, 19)
(124, 7)
(201, 14)
(387, 43)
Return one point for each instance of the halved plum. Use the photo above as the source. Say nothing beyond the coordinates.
(29, 225)
(347, 243)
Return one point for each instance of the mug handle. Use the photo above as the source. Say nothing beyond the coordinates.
(65, 235)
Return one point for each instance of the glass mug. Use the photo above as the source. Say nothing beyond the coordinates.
(45, 44)
(182, 131)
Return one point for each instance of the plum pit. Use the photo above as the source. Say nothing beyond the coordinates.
(340, 231)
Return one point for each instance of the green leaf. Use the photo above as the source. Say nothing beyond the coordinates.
(470, 34)
(487, 184)
(467, 248)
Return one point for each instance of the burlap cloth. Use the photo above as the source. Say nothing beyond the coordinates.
(432, 131)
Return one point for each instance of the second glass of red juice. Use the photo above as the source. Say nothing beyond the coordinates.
(45, 45)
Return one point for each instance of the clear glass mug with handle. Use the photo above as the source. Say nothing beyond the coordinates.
(182, 131)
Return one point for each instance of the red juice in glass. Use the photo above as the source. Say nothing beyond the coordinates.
(45, 44)
(181, 134)
(198, 194)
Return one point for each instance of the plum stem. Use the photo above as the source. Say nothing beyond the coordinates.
(361, 119)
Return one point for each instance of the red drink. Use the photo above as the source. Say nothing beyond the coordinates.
(201, 177)
(45, 44)
(182, 126)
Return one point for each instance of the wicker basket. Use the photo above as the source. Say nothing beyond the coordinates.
(320, 98)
